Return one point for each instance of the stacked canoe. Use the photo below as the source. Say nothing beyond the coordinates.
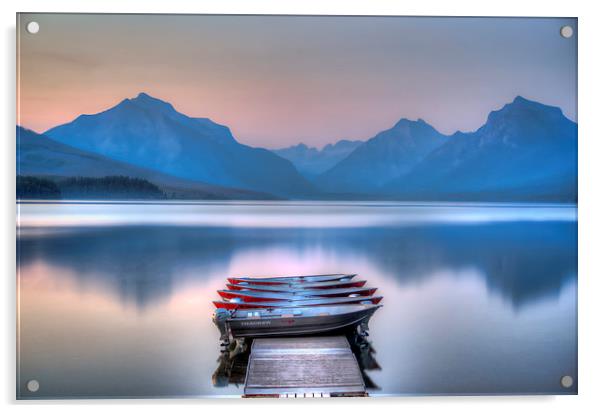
(293, 305)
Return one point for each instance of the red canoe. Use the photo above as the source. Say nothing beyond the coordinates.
(229, 305)
(250, 296)
(291, 279)
(298, 286)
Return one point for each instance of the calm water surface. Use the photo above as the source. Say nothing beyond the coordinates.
(115, 299)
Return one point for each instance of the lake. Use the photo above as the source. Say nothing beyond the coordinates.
(115, 299)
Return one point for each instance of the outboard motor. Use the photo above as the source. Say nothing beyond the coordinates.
(220, 315)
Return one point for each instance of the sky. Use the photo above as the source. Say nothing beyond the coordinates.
(281, 80)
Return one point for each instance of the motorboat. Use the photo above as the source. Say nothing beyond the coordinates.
(236, 304)
(291, 279)
(248, 296)
(297, 286)
(290, 321)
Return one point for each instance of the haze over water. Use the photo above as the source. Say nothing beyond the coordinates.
(115, 298)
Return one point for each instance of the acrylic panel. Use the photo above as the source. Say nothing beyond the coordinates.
(295, 206)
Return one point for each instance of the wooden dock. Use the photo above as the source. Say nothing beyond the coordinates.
(303, 367)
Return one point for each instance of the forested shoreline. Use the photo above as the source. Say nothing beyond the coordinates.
(108, 187)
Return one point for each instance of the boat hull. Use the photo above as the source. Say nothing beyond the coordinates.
(297, 287)
(258, 296)
(289, 280)
(228, 305)
(293, 326)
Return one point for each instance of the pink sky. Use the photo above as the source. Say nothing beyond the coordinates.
(277, 81)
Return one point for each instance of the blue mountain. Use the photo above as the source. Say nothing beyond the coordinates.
(525, 151)
(150, 133)
(41, 156)
(382, 158)
(311, 162)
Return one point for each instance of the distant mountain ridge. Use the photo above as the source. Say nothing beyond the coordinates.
(311, 161)
(525, 151)
(382, 158)
(41, 156)
(150, 133)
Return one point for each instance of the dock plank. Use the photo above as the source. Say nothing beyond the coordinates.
(298, 366)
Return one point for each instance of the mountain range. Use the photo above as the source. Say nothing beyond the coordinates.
(525, 151)
(149, 133)
(382, 158)
(41, 156)
(311, 162)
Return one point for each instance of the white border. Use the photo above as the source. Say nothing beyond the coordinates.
(590, 177)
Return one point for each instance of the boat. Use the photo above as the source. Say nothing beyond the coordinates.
(290, 321)
(290, 279)
(293, 305)
(247, 296)
(298, 286)
(236, 304)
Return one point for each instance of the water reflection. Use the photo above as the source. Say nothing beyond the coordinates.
(519, 261)
(469, 307)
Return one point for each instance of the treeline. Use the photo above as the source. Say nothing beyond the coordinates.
(108, 187)
(30, 187)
